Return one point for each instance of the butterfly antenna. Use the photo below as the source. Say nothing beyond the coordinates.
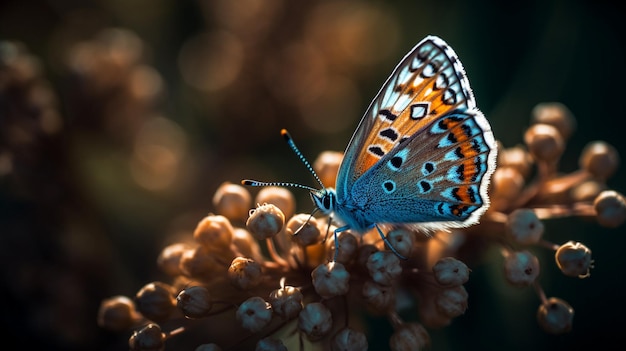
(295, 149)
(250, 182)
(306, 222)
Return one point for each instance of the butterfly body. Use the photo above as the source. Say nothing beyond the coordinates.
(422, 155)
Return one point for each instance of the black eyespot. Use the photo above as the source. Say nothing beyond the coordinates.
(389, 186)
(459, 152)
(389, 133)
(460, 171)
(472, 194)
(443, 124)
(479, 167)
(396, 161)
(388, 115)
(452, 138)
(467, 130)
(476, 145)
(376, 150)
(429, 167)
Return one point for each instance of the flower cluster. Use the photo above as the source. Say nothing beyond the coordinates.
(272, 278)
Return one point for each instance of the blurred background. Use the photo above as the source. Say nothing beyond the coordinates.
(119, 119)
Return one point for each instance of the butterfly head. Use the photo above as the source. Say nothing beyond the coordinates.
(325, 199)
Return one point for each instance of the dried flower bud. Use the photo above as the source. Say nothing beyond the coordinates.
(232, 201)
(310, 256)
(331, 279)
(245, 273)
(587, 191)
(348, 339)
(315, 321)
(600, 159)
(208, 347)
(574, 259)
(516, 158)
(117, 313)
(451, 272)
(452, 302)
(555, 316)
(286, 301)
(544, 142)
(246, 246)
(524, 227)
(156, 301)
(327, 166)
(265, 221)
(198, 263)
(169, 259)
(402, 240)
(148, 338)
(610, 209)
(270, 344)
(409, 337)
(303, 229)
(278, 196)
(254, 314)
(442, 244)
(194, 302)
(521, 268)
(381, 298)
(555, 114)
(214, 233)
(384, 267)
(506, 185)
(348, 246)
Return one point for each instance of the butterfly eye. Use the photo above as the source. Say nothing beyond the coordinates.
(324, 200)
(328, 201)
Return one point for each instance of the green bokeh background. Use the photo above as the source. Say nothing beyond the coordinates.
(516, 54)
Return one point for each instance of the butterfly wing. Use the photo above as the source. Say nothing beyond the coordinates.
(428, 82)
(407, 118)
(437, 178)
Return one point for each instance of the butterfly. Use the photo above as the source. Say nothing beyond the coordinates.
(421, 157)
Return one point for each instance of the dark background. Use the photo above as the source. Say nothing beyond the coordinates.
(84, 213)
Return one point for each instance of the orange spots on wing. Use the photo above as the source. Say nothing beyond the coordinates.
(458, 210)
(465, 194)
(468, 151)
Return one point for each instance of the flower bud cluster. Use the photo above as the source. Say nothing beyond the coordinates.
(528, 189)
(278, 270)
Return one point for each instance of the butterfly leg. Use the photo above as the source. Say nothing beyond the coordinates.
(335, 232)
(393, 249)
(330, 221)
